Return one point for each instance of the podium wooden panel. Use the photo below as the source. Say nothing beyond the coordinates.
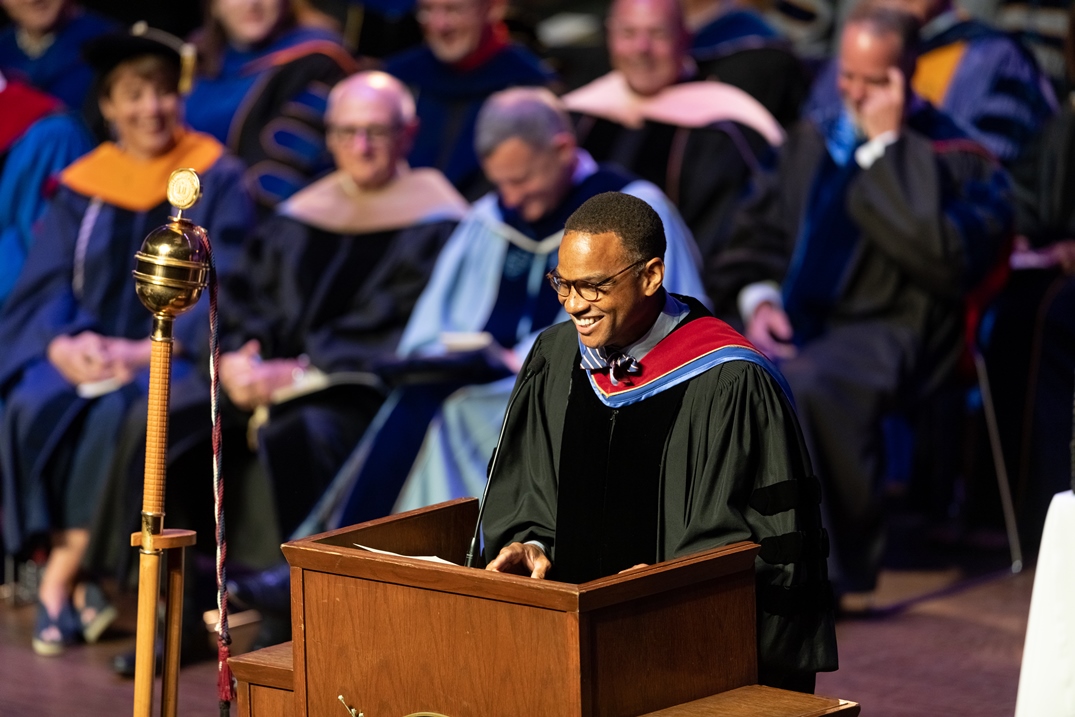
(265, 681)
(264, 692)
(396, 635)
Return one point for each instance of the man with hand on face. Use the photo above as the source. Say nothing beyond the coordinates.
(981, 77)
(644, 429)
(850, 265)
(467, 57)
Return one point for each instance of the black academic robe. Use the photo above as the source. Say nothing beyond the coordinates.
(1034, 415)
(1045, 182)
(769, 72)
(739, 47)
(734, 467)
(704, 171)
(341, 300)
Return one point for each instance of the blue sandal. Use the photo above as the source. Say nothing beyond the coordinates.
(96, 614)
(66, 623)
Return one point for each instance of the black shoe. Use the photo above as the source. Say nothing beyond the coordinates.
(268, 591)
(195, 648)
(123, 664)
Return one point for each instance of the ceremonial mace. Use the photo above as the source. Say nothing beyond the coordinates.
(171, 270)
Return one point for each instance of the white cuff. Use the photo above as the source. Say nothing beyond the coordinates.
(873, 150)
(754, 295)
(539, 544)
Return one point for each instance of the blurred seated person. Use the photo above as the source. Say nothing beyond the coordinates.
(36, 140)
(466, 57)
(370, 29)
(851, 263)
(476, 319)
(328, 285)
(982, 78)
(43, 47)
(1042, 29)
(733, 42)
(1042, 286)
(700, 142)
(261, 88)
(75, 334)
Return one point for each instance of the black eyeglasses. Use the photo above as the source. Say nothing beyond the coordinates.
(588, 290)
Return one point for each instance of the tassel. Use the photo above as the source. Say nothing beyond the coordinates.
(225, 681)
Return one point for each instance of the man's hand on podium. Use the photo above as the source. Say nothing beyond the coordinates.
(519, 558)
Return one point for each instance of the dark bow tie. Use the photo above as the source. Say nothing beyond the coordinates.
(618, 364)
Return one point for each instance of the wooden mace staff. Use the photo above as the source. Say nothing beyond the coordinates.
(171, 270)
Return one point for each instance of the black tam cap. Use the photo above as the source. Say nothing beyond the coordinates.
(105, 52)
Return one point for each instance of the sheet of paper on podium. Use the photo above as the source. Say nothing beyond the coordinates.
(430, 558)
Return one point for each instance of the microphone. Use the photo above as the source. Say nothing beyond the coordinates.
(536, 364)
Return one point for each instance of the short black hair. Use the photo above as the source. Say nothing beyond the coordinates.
(631, 219)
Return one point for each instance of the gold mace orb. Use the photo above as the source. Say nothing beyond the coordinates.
(184, 188)
(172, 268)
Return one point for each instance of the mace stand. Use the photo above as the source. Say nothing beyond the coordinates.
(153, 541)
(171, 270)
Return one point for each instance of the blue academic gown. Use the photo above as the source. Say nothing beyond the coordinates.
(282, 91)
(48, 146)
(448, 101)
(55, 447)
(733, 26)
(60, 70)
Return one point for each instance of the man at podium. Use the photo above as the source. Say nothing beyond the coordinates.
(645, 429)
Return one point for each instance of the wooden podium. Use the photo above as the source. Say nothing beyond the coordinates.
(394, 636)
